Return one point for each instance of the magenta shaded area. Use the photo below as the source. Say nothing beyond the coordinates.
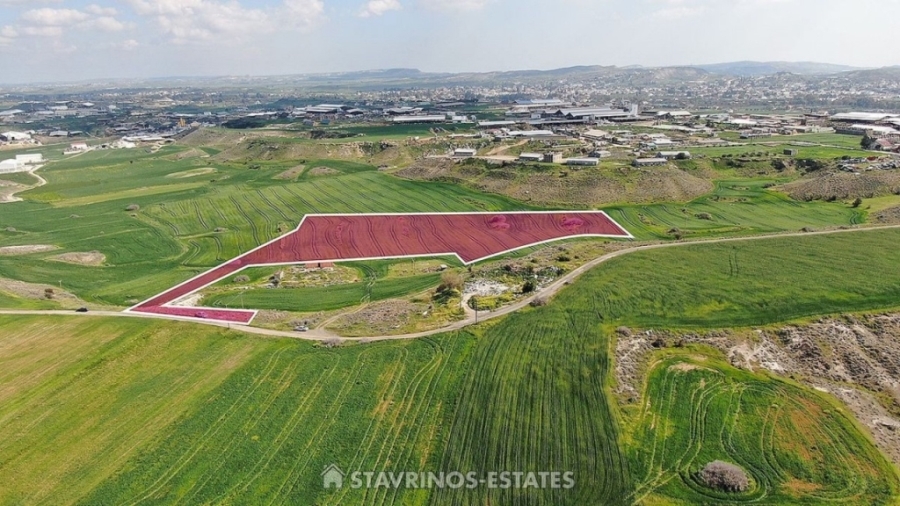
(200, 313)
(348, 237)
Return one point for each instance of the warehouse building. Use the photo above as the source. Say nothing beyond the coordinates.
(649, 162)
(583, 162)
(464, 153)
(531, 157)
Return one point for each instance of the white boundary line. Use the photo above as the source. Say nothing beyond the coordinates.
(134, 309)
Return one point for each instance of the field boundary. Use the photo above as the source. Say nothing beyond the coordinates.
(235, 316)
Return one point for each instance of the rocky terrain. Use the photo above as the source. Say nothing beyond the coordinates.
(563, 185)
(844, 185)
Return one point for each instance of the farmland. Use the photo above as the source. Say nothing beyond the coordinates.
(347, 237)
(529, 392)
(736, 207)
(754, 283)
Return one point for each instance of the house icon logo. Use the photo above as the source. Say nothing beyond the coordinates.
(332, 477)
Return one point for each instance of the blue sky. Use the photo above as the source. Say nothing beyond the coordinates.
(67, 40)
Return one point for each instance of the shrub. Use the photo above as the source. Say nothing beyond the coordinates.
(241, 279)
(332, 342)
(48, 293)
(451, 281)
(857, 202)
(538, 302)
(528, 287)
(724, 477)
(563, 258)
(704, 216)
(133, 207)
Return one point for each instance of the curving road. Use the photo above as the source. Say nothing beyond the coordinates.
(547, 293)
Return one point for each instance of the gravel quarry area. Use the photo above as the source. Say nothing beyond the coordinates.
(854, 358)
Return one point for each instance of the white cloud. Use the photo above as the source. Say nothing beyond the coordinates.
(54, 17)
(455, 5)
(379, 7)
(42, 31)
(204, 20)
(107, 24)
(127, 45)
(303, 13)
(100, 10)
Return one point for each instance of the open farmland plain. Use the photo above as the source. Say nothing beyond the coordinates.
(530, 392)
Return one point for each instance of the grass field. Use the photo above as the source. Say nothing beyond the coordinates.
(750, 283)
(173, 236)
(169, 413)
(737, 206)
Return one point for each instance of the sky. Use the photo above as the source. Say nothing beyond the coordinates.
(76, 40)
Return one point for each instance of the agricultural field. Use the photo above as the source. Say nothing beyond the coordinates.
(173, 235)
(261, 418)
(741, 284)
(735, 207)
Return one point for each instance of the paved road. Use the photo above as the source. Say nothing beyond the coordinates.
(547, 293)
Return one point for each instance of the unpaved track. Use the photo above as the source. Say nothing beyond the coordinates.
(547, 293)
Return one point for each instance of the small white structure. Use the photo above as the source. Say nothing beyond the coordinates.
(674, 155)
(30, 159)
(531, 157)
(464, 153)
(7, 166)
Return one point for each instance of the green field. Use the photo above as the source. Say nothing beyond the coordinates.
(736, 207)
(170, 413)
(750, 283)
(172, 237)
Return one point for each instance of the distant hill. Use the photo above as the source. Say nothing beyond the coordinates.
(755, 68)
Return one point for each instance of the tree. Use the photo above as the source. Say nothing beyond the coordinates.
(725, 477)
(857, 202)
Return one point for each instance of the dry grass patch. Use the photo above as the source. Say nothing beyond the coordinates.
(26, 249)
(291, 174)
(323, 171)
(192, 173)
(90, 258)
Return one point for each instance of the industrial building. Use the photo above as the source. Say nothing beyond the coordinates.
(30, 159)
(14, 136)
(464, 153)
(496, 124)
(531, 157)
(649, 162)
(583, 162)
(863, 117)
(419, 119)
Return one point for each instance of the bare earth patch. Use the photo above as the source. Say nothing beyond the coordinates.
(380, 318)
(291, 174)
(890, 216)
(90, 258)
(26, 249)
(323, 171)
(192, 173)
(36, 291)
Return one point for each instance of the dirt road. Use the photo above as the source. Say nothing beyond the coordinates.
(547, 293)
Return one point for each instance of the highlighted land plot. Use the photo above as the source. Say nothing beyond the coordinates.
(354, 237)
